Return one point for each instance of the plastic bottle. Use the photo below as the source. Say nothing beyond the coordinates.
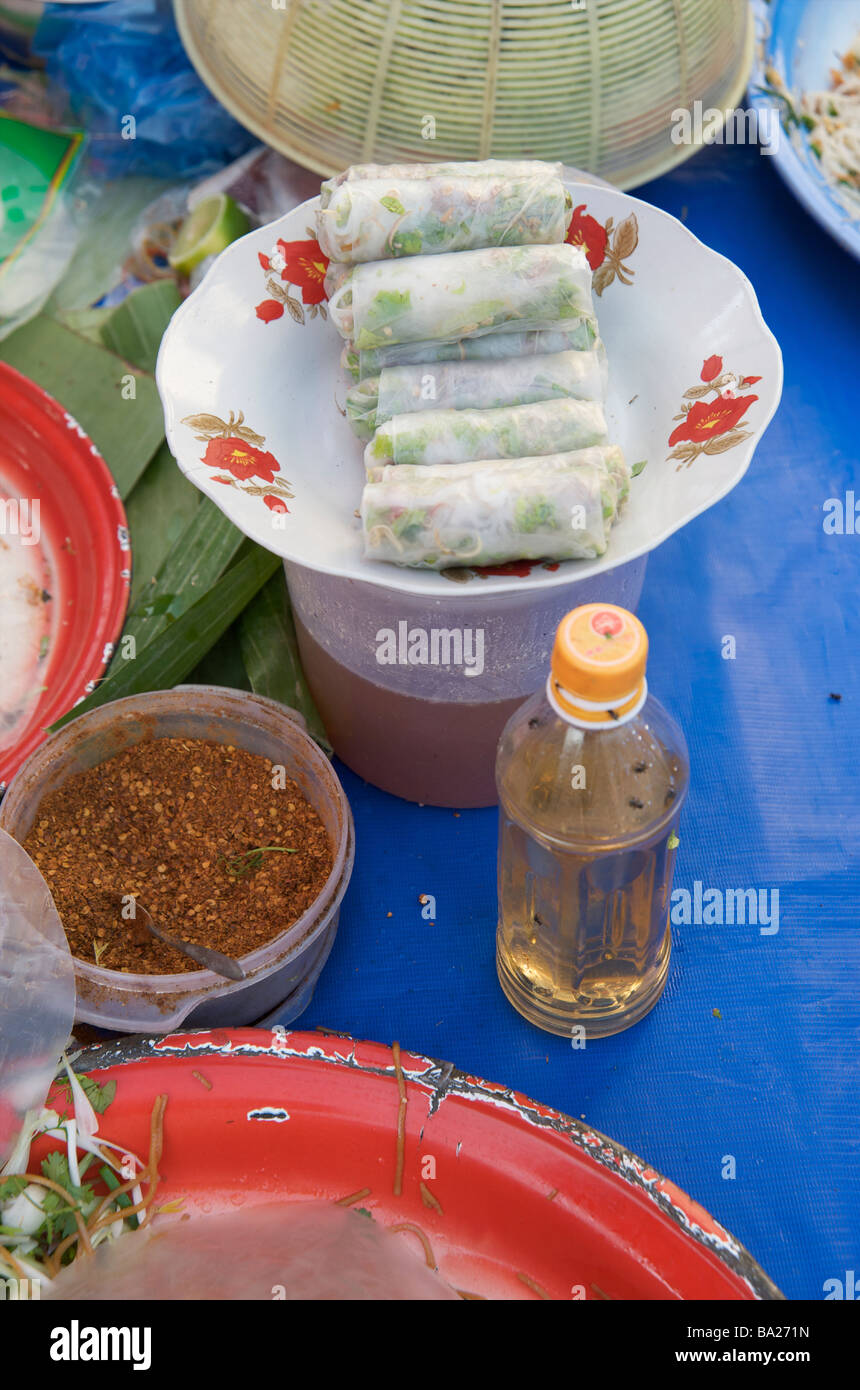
(591, 774)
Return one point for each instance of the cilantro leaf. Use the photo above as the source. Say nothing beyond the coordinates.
(11, 1188)
(56, 1168)
(99, 1097)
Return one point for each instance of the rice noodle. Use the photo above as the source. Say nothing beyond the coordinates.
(417, 1231)
(17, 1268)
(353, 1197)
(534, 1285)
(101, 1219)
(429, 1199)
(401, 1121)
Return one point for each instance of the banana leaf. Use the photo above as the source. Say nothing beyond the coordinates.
(267, 637)
(198, 557)
(174, 653)
(136, 326)
(223, 665)
(160, 507)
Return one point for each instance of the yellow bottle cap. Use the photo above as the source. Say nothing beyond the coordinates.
(598, 665)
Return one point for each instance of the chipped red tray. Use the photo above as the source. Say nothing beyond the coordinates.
(514, 1200)
(73, 569)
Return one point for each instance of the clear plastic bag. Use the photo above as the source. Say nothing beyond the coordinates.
(37, 990)
(292, 1251)
(131, 83)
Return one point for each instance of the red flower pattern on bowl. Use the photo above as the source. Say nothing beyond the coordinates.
(269, 310)
(587, 232)
(241, 459)
(300, 263)
(708, 418)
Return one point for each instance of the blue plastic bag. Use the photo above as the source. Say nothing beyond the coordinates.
(131, 84)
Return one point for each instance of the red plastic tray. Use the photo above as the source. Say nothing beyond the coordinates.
(533, 1203)
(45, 454)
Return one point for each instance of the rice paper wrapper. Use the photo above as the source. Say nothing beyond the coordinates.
(376, 218)
(474, 168)
(290, 1251)
(459, 436)
(577, 335)
(476, 385)
(337, 274)
(553, 507)
(463, 294)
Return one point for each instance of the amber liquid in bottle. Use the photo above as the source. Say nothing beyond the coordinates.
(587, 837)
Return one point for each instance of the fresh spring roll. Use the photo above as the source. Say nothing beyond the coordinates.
(470, 168)
(336, 274)
(476, 385)
(462, 293)
(555, 507)
(578, 334)
(509, 432)
(374, 219)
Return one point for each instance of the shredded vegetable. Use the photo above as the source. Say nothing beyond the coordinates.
(833, 121)
(829, 122)
(88, 1190)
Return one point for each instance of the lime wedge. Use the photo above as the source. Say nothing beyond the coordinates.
(207, 229)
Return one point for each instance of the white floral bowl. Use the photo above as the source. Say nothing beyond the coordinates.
(250, 378)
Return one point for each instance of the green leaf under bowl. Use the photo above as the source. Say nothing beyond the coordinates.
(169, 657)
(136, 326)
(270, 653)
(198, 557)
(159, 508)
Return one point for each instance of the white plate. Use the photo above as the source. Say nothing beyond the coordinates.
(667, 305)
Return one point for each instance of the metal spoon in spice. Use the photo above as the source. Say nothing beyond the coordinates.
(202, 955)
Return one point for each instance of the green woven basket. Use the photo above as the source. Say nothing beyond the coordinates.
(332, 82)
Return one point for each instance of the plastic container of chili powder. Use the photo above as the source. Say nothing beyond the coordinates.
(281, 975)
